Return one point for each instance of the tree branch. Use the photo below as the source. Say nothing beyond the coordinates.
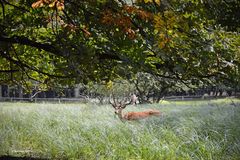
(9, 71)
(3, 9)
(18, 7)
(25, 41)
(23, 65)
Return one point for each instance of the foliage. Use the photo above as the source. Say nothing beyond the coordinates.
(149, 86)
(119, 88)
(188, 130)
(70, 42)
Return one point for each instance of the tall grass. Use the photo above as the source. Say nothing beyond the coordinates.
(187, 130)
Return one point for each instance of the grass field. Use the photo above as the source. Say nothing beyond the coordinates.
(187, 130)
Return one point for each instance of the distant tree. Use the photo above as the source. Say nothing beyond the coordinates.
(120, 88)
(150, 88)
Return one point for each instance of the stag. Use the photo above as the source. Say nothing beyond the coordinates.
(120, 105)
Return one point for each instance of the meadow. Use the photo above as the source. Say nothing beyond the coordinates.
(186, 130)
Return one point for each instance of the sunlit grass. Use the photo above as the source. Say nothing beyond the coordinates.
(187, 130)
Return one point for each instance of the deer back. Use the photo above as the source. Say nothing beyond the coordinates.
(141, 115)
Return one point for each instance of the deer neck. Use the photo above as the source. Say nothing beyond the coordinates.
(120, 114)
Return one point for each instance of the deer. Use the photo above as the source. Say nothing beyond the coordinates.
(120, 105)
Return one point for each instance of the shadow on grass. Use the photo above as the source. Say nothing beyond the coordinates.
(20, 158)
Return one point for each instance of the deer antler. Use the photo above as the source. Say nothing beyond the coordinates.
(118, 103)
(114, 104)
(125, 102)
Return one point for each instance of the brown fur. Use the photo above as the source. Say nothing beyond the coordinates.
(140, 115)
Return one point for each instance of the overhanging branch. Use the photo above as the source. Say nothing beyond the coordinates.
(17, 7)
(9, 71)
(23, 65)
(25, 41)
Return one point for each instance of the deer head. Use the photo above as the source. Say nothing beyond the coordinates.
(119, 105)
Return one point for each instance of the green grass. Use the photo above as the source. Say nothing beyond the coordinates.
(187, 130)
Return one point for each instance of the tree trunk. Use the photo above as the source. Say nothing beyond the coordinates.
(20, 91)
(76, 92)
(0, 91)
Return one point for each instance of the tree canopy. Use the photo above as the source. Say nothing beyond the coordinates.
(70, 41)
